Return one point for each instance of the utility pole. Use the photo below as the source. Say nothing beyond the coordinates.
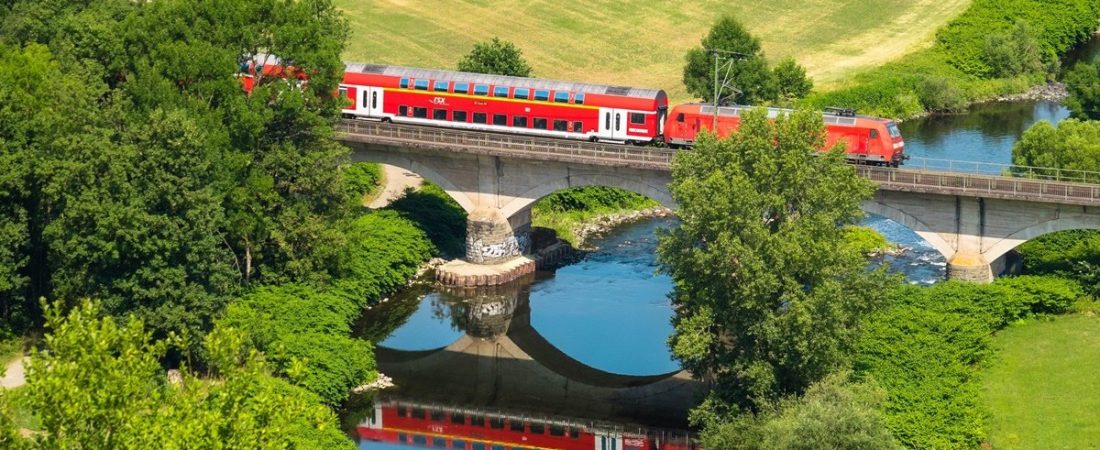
(730, 56)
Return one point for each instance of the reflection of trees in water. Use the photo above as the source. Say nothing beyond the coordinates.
(990, 120)
(382, 319)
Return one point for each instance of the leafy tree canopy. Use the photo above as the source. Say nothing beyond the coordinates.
(138, 406)
(1073, 145)
(1083, 84)
(495, 57)
(768, 295)
(746, 73)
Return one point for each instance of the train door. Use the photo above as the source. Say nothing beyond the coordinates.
(606, 441)
(613, 124)
(370, 102)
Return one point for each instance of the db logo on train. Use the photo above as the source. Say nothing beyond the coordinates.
(438, 101)
(633, 442)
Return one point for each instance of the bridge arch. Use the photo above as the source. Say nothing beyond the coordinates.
(656, 189)
(1063, 223)
(426, 172)
(913, 223)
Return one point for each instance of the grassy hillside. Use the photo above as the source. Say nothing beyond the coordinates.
(1042, 390)
(640, 42)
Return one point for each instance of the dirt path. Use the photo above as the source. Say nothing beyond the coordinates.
(396, 180)
(13, 374)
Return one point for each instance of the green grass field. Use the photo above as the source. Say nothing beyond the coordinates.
(642, 42)
(1043, 387)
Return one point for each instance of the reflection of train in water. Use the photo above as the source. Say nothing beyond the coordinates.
(430, 426)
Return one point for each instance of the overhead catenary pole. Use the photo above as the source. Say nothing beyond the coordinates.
(731, 56)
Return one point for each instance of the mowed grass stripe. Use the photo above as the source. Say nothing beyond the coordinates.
(642, 43)
(1043, 386)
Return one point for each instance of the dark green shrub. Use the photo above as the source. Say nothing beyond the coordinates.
(592, 198)
(941, 94)
(1045, 294)
(383, 252)
(361, 179)
(437, 214)
(1013, 53)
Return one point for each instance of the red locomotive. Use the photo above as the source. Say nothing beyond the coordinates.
(442, 428)
(560, 109)
(869, 139)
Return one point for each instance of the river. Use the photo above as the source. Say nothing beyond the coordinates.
(582, 349)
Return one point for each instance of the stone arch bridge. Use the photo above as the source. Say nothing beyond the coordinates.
(973, 220)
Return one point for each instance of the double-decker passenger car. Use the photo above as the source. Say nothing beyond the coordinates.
(868, 139)
(517, 105)
(446, 428)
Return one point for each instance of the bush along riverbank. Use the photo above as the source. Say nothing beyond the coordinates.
(995, 49)
(574, 214)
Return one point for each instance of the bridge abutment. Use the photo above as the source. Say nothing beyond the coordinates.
(970, 267)
(492, 238)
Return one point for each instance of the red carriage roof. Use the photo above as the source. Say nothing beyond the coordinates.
(497, 80)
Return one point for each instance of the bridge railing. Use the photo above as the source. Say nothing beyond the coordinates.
(1015, 187)
(509, 144)
(997, 169)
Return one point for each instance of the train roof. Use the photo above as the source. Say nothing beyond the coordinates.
(533, 83)
(735, 111)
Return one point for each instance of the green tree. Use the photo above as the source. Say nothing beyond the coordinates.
(791, 81)
(1014, 53)
(137, 406)
(768, 294)
(1083, 84)
(747, 73)
(835, 413)
(1073, 145)
(495, 57)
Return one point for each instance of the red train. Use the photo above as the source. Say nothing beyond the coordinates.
(560, 109)
(442, 428)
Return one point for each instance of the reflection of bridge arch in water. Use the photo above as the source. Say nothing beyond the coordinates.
(503, 361)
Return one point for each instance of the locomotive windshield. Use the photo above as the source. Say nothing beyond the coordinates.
(893, 129)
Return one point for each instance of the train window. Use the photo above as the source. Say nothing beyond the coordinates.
(477, 421)
(561, 97)
(874, 133)
(343, 92)
(420, 440)
(893, 129)
(557, 430)
(539, 123)
(462, 88)
(442, 86)
(402, 437)
(439, 442)
(481, 118)
(500, 119)
(574, 433)
(418, 413)
(607, 121)
(401, 411)
(496, 423)
(458, 116)
(374, 99)
(404, 83)
(578, 98)
(637, 118)
(537, 428)
(497, 447)
(519, 121)
(421, 113)
(618, 121)
(578, 126)
(478, 446)
(421, 85)
(542, 95)
(522, 93)
(457, 417)
(437, 415)
(439, 114)
(402, 110)
(458, 444)
(481, 89)
(515, 425)
(500, 91)
(561, 125)
(680, 117)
